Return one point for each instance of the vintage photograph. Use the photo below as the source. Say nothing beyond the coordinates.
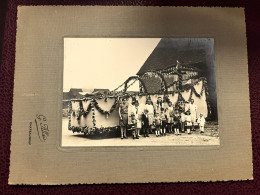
(139, 92)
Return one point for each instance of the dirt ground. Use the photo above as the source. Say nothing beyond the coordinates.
(210, 137)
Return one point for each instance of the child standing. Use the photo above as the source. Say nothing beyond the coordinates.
(133, 125)
(157, 124)
(164, 121)
(188, 122)
(177, 123)
(170, 115)
(145, 123)
(201, 121)
(138, 119)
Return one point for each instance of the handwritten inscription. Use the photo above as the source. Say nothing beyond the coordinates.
(42, 127)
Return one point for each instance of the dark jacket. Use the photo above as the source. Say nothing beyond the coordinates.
(145, 121)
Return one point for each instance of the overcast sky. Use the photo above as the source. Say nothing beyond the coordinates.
(103, 62)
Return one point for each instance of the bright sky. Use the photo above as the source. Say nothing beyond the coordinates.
(103, 62)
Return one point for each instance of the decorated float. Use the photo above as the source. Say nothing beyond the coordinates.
(99, 115)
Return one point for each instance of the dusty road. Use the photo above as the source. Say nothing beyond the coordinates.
(77, 139)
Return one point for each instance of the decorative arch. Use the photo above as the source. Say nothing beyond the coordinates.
(161, 76)
(176, 73)
(136, 78)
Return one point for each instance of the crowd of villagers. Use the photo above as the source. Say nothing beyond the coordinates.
(160, 118)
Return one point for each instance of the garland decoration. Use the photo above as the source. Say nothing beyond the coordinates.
(128, 86)
(207, 97)
(103, 131)
(105, 111)
(118, 87)
(180, 97)
(85, 112)
(93, 114)
(137, 78)
(202, 88)
(69, 115)
(173, 83)
(81, 110)
(191, 92)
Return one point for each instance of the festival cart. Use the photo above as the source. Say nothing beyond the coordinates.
(99, 115)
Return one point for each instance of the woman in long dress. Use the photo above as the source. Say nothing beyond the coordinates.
(149, 107)
(123, 117)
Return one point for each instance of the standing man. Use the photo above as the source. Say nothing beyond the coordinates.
(193, 113)
(123, 117)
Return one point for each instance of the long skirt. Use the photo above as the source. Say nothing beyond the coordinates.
(124, 120)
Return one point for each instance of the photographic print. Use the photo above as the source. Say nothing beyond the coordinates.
(139, 92)
(110, 93)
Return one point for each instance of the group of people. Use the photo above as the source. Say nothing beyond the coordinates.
(159, 118)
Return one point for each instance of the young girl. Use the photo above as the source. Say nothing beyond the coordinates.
(177, 124)
(201, 121)
(157, 124)
(188, 122)
(164, 121)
